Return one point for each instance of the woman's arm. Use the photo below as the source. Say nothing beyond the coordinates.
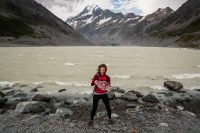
(93, 80)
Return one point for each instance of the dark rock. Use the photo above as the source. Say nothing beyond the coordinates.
(111, 95)
(47, 111)
(117, 89)
(20, 94)
(42, 98)
(137, 93)
(181, 91)
(184, 99)
(20, 85)
(182, 95)
(1, 111)
(7, 88)
(86, 98)
(197, 89)
(150, 98)
(61, 90)
(16, 85)
(55, 99)
(31, 107)
(23, 85)
(162, 93)
(12, 102)
(193, 106)
(12, 92)
(149, 104)
(3, 100)
(21, 99)
(130, 96)
(174, 86)
(39, 86)
(34, 90)
(2, 94)
(169, 94)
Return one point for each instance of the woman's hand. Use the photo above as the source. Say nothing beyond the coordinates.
(96, 82)
(108, 88)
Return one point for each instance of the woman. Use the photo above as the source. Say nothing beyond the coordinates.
(101, 83)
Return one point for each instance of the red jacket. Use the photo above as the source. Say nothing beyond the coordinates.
(100, 77)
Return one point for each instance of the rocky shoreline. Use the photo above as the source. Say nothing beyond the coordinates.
(175, 109)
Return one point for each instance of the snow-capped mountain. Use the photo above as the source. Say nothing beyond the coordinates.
(164, 27)
(150, 20)
(97, 24)
(93, 14)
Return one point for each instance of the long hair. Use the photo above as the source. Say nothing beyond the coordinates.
(101, 65)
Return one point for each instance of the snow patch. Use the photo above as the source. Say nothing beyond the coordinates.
(102, 21)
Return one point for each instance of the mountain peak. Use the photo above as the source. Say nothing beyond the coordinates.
(92, 7)
(164, 10)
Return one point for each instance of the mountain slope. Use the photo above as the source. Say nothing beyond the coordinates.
(183, 23)
(151, 20)
(28, 22)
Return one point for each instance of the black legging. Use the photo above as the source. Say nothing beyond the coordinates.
(105, 100)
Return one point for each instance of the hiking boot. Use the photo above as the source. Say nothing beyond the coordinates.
(90, 123)
(110, 121)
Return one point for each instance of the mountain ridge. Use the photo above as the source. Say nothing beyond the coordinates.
(36, 25)
(97, 24)
(164, 27)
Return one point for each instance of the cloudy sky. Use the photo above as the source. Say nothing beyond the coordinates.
(66, 8)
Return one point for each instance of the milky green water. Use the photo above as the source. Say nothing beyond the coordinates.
(128, 67)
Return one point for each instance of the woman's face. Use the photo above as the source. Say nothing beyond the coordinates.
(102, 70)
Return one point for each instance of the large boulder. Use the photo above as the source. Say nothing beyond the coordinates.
(42, 98)
(174, 86)
(63, 112)
(118, 95)
(137, 93)
(130, 96)
(31, 107)
(117, 89)
(13, 101)
(150, 98)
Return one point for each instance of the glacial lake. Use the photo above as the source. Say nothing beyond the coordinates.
(73, 67)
